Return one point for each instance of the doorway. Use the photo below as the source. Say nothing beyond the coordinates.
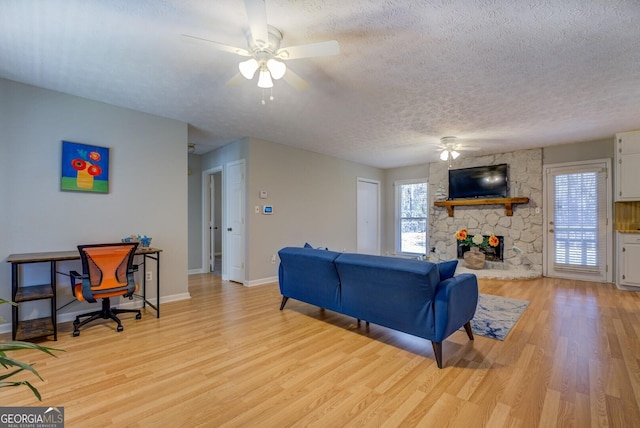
(578, 226)
(212, 221)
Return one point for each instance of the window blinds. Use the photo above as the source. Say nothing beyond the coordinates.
(579, 235)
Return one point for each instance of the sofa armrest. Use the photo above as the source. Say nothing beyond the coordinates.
(455, 304)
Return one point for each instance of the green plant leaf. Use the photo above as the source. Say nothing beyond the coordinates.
(25, 383)
(15, 345)
(10, 362)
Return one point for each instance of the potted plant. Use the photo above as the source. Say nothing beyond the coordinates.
(12, 366)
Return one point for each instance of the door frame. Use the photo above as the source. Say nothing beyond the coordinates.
(378, 212)
(207, 207)
(547, 198)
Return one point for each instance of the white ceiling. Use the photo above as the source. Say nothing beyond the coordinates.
(500, 75)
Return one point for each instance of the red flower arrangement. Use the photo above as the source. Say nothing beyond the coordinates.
(477, 240)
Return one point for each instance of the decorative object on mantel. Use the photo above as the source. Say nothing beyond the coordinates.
(441, 194)
(474, 258)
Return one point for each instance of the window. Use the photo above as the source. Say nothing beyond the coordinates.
(576, 220)
(411, 216)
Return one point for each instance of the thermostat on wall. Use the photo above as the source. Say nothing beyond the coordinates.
(267, 209)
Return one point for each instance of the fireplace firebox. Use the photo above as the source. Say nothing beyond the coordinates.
(492, 254)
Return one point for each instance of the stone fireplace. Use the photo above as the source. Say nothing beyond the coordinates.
(519, 254)
(492, 254)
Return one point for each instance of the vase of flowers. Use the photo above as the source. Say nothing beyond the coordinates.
(475, 257)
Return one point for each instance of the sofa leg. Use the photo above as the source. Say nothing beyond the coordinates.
(284, 302)
(437, 351)
(467, 328)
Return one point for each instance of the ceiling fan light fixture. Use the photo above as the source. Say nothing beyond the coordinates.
(264, 79)
(248, 68)
(276, 68)
(454, 154)
(444, 155)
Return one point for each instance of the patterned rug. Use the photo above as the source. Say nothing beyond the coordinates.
(496, 315)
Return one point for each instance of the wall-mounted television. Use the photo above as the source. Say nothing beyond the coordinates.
(489, 181)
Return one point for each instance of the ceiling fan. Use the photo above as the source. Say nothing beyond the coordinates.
(264, 51)
(451, 147)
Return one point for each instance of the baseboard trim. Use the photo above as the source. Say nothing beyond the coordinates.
(195, 271)
(261, 281)
(127, 304)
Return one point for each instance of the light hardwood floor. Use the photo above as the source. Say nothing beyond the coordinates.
(230, 357)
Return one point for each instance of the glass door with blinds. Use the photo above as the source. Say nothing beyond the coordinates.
(577, 230)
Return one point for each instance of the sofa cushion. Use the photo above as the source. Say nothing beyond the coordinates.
(390, 291)
(447, 269)
(310, 275)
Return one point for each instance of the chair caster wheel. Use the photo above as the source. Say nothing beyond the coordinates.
(120, 328)
(138, 316)
(76, 333)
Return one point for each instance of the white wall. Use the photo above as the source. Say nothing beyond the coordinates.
(148, 183)
(573, 152)
(313, 195)
(195, 213)
(313, 198)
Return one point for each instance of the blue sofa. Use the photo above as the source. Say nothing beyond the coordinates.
(416, 297)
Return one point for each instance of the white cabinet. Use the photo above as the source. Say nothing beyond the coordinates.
(629, 259)
(627, 160)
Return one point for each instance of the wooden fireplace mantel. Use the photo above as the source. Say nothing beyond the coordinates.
(507, 202)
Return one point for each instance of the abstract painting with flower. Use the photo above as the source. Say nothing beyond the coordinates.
(85, 168)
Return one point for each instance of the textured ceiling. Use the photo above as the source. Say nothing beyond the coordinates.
(498, 74)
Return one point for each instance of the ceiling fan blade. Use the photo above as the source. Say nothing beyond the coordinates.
(257, 15)
(236, 80)
(295, 81)
(331, 47)
(222, 47)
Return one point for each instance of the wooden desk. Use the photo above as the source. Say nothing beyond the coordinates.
(48, 326)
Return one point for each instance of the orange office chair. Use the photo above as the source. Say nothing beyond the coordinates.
(107, 272)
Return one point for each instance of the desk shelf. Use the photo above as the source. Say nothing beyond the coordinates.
(35, 328)
(34, 292)
(507, 202)
(27, 329)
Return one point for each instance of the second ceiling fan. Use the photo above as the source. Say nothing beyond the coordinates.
(264, 53)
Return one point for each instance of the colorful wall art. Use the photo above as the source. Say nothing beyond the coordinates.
(85, 168)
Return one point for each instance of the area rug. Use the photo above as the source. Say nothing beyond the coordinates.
(496, 315)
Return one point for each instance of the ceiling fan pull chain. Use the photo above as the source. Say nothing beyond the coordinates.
(263, 101)
(271, 96)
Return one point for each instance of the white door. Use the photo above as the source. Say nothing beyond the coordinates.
(577, 221)
(368, 216)
(234, 207)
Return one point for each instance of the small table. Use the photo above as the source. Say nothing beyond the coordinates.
(48, 326)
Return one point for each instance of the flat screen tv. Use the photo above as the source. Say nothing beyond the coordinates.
(479, 182)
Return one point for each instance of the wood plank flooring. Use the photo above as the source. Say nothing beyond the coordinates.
(228, 357)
